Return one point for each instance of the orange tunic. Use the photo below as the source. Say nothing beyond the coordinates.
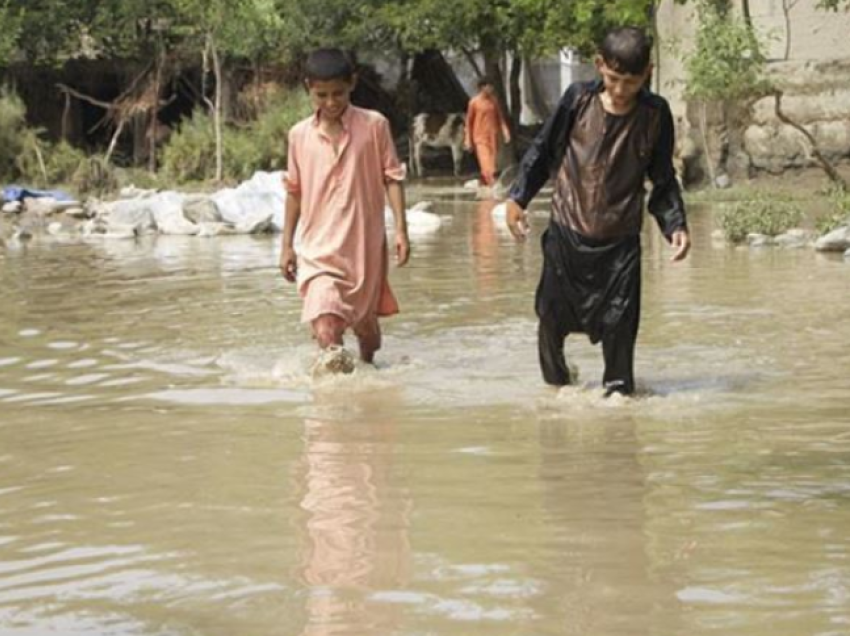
(484, 121)
(342, 253)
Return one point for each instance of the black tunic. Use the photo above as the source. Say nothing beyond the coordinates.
(591, 273)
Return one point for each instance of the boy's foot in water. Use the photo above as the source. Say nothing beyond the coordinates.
(333, 360)
(617, 386)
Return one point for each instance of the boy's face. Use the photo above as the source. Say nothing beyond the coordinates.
(330, 97)
(622, 88)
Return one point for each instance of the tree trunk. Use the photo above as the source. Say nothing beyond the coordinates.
(114, 141)
(709, 162)
(66, 117)
(535, 96)
(153, 119)
(787, 5)
(656, 46)
(493, 71)
(515, 91)
(216, 107)
(516, 102)
(824, 163)
(745, 9)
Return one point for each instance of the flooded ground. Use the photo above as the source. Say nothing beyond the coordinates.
(168, 467)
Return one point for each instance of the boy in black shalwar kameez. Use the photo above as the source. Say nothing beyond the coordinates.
(605, 138)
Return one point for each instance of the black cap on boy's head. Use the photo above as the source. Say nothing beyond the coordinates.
(626, 50)
(328, 64)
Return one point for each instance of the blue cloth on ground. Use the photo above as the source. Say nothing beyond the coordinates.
(18, 193)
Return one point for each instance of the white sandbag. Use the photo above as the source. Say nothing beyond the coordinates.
(208, 229)
(128, 213)
(199, 208)
(419, 220)
(248, 213)
(167, 208)
(256, 205)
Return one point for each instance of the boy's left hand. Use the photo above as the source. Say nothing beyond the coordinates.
(402, 248)
(681, 242)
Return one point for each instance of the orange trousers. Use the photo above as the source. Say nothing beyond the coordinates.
(486, 155)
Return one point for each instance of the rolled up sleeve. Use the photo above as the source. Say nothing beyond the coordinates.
(393, 169)
(292, 177)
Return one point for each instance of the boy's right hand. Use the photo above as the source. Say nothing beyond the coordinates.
(517, 220)
(289, 265)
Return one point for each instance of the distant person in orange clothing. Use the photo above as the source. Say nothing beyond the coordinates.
(484, 121)
(342, 169)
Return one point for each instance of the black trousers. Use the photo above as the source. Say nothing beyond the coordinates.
(592, 288)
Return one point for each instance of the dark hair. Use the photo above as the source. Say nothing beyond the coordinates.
(627, 50)
(486, 81)
(328, 64)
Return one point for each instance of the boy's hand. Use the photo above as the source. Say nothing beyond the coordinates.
(681, 242)
(402, 248)
(517, 220)
(289, 265)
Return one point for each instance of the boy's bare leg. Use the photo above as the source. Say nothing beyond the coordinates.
(328, 330)
(369, 338)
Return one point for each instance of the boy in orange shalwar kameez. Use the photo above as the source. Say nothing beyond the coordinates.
(342, 168)
(484, 121)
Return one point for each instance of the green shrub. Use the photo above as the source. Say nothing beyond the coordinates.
(25, 155)
(763, 214)
(839, 213)
(31, 164)
(95, 176)
(12, 124)
(258, 145)
(190, 152)
(63, 161)
(271, 129)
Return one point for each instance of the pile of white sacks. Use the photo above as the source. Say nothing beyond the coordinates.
(255, 206)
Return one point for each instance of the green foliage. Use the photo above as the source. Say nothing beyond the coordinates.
(24, 155)
(833, 5)
(839, 212)
(30, 163)
(240, 28)
(11, 23)
(529, 27)
(270, 131)
(95, 176)
(259, 145)
(766, 213)
(190, 152)
(727, 62)
(12, 125)
(45, 164)
(63, 162)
